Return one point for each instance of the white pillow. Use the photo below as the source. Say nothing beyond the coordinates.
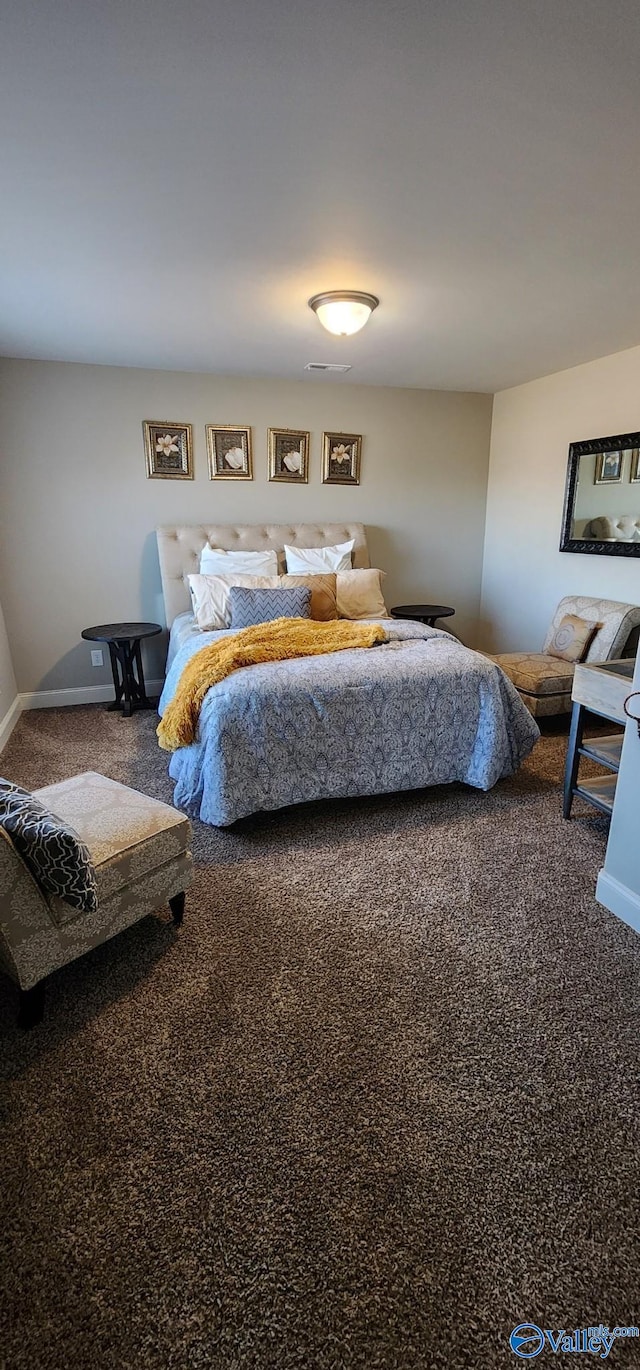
(359, 594)
(210, 596)
(309, 561)
(215, 562)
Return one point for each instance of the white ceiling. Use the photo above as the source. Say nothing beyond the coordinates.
(179, 176)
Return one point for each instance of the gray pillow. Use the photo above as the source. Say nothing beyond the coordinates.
(56, 856)
(262, 606)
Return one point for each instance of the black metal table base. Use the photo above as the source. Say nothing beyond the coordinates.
(128, 677)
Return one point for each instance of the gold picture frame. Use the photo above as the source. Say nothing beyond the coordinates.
(168, 450)
(289, 455)
(341, 456)
(229, 452)
(608, 468)
(634, 471)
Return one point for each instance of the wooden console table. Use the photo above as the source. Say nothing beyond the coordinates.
(599, 689)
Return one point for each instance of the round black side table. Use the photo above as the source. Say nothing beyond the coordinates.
(123, 640)
(423, 613)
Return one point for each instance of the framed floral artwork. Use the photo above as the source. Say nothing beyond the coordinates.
(341, 458)
(608, 468)
(229, 452)
(288, 455)
(168, 450)
(634, 471)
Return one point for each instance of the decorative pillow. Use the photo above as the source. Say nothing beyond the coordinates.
(303, 561)
(210, 596)
(56, 856)
(215, 562)
(323, 594)
(262, 606)
(359, 594)
(572, 638)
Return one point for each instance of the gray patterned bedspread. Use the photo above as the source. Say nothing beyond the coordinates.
(418, 710)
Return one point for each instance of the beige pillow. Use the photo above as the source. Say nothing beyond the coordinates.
(572, 638)
(323, 594)
(210, 596)
(360, 594)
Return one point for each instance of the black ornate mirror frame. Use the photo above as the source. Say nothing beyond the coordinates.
(621, 442)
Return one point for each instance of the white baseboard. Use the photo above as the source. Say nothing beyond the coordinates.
(619, 899)
(8, 723)
(80, 694)
(58, 699)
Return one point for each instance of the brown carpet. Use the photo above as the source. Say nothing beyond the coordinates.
(375, 1104)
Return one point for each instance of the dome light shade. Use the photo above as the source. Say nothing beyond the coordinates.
(343, 311)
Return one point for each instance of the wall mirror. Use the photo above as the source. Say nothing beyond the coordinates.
(602, 497)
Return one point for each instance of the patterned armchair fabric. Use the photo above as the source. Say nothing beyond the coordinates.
(617, 621)
(54, 852)
(545, 681)
(140, 851)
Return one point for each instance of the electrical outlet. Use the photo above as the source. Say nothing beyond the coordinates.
(97, 658)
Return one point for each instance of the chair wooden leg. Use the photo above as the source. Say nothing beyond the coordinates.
(177, 908)
(31, 1006)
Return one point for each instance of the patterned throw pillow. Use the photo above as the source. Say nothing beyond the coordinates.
(572, 638)
(57, 858)
(262, 606)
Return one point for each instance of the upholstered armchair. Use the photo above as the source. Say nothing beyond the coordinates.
(543, 680)
(139, 849)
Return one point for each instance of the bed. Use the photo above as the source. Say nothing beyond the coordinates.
(419, 710)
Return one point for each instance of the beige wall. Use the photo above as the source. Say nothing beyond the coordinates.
(79, 548)
(524, 574)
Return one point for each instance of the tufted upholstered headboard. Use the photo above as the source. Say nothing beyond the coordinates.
(614, 528)
(180, 545)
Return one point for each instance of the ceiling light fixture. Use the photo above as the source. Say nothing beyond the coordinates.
(343, 311)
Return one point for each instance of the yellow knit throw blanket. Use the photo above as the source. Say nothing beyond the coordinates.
(279, 640)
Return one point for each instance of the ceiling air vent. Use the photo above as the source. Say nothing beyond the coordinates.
(326, 366)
